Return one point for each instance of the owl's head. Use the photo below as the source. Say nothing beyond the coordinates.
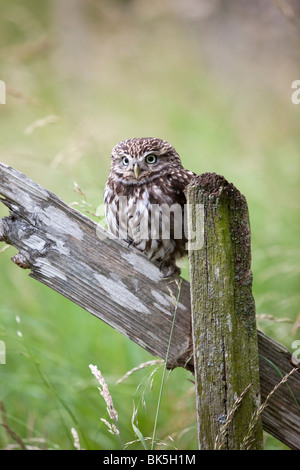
(139, 160)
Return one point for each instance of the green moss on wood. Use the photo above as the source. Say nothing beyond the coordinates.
(223, 311)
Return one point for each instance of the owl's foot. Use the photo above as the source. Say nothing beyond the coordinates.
(128, 241)
(169, 268)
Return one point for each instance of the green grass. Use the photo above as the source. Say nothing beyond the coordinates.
(46, 385)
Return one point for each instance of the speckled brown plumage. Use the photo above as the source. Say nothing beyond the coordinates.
(146, 180)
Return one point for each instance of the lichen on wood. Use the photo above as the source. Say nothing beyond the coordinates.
(223, 316)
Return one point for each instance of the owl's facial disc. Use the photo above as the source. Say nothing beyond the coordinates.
(136, 167)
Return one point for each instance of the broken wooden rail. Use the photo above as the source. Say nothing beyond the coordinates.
(73, 255)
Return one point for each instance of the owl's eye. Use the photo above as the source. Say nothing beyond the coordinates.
(151, 159)
(125, 161)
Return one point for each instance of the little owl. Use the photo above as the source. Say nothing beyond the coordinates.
(145, 200)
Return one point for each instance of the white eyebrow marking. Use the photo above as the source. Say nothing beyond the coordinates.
(123, 154)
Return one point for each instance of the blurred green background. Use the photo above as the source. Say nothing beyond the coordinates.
(214, 79)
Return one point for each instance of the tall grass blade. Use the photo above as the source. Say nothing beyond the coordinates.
(165, 367)
(136, 429)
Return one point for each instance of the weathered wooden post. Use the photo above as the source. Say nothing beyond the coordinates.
(223, 317)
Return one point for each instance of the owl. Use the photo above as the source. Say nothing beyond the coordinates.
(145, 201)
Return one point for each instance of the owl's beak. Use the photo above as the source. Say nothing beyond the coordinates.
(136, 170)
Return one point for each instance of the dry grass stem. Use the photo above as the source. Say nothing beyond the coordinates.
(76, 439)
(158, 442)
(220, 439)
(50, 119)
(255, 417)
(20, 96)
(6, 247)
(296, 326)
(78, 190)
(143, 365)
(113, 428)
(265, 316)
(104, 392)
(10, 432)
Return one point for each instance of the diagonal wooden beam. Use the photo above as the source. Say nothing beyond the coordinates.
(73, 255)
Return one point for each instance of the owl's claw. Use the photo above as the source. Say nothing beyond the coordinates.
(172, 269)
(167, 276)
(128, 241)
(161, 265)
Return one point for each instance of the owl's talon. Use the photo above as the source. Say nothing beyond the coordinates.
(167, 276)
(171, 275)
(161, 265)
(173, 269)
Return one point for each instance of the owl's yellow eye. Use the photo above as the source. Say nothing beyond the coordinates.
(151, 159)
(125, 161)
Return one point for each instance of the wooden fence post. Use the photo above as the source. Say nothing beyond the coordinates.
(223, 317)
